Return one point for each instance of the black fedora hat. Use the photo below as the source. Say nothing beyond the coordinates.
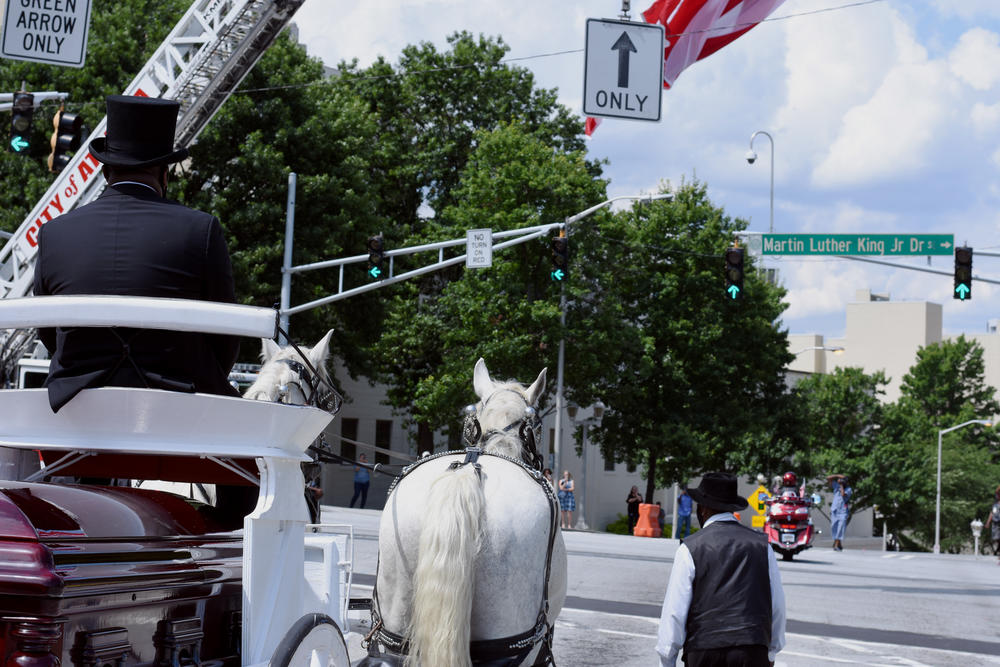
(718, 491)
(140, 133)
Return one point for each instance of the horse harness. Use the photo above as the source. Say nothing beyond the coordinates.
(388, 649)
(322, 394)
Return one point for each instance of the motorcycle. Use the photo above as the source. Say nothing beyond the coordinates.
(788, 526)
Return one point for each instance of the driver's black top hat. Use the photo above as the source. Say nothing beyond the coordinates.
(140, 133)
(718, 491)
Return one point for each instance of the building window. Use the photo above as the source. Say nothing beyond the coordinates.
(348, 430)
(383, 439)
(552, 441)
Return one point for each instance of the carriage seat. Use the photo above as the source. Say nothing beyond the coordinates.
(136, 423)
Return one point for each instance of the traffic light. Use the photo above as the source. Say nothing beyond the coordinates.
(376, 256)
(560, 257)
(734, 272)
(67, 136)
(22, 111)
(963, 273)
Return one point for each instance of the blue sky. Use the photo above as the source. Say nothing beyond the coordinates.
(885, 118)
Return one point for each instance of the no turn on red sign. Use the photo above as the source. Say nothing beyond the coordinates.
(623, 69)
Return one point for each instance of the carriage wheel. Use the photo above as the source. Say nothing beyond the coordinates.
(313, 641)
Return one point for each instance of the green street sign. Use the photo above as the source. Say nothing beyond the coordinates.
(858, 244)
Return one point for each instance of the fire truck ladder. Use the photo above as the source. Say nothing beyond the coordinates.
(203, 59)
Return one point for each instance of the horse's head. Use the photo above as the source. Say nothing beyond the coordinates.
(295, 375)
(506, 413)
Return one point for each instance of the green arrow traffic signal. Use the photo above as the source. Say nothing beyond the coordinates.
(374, 272)
(962, 291)
(734, 291)
(558, 275)
(18, 144)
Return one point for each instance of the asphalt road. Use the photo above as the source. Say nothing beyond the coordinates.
(856, 607)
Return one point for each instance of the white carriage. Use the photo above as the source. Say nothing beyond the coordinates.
(294, 606)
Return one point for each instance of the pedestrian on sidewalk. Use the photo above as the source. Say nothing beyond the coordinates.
(632, 502)
(567, 501)
(683, 515)
(839, 508)
(724, 603)
(362, 478)
(993, 523)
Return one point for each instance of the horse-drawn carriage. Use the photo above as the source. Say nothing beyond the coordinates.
(472, 565)
(125, 576)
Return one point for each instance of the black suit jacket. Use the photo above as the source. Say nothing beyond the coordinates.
(130, 241)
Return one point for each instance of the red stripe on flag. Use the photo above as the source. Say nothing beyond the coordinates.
(590, 125)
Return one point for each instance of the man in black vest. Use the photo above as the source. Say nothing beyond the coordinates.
(724, 603)
(133, 241)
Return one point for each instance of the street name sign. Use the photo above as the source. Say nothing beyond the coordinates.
(46, 31)
(478, 248)
(858, 244)
(623, 69)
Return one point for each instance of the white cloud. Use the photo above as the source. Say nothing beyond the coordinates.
(976, 58)
(985, 117)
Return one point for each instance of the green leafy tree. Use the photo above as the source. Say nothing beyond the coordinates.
(239, 171)
(507, 314)
(944, 388)
(693, 380)
(843, 420)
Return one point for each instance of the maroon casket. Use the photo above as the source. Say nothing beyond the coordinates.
(114, 576)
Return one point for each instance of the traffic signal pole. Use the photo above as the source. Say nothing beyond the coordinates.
(286, 265)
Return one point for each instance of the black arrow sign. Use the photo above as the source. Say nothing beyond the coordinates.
(623, 45)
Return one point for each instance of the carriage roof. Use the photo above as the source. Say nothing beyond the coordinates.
(152, 421)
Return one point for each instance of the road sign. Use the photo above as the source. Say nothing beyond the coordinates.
(757, 498)
(623, 69)
(478, 248)
(858, 244)
(53, 31)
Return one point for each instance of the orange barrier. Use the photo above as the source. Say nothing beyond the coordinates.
(649, 521)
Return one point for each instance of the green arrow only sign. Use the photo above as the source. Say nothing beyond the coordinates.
(858, 244)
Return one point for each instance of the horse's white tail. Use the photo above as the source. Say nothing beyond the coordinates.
(443, 584)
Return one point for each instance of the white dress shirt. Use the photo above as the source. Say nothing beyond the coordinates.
(673, 619)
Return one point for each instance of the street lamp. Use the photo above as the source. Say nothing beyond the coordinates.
(937, 505)
(597, 411)
(752, 156)
(836, 349)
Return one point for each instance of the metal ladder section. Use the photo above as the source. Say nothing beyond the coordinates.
(199, 64)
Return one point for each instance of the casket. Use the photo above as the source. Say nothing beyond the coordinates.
(107, 575)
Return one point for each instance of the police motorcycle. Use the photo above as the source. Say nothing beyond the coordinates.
(788, 526)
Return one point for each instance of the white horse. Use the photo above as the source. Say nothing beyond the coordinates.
(464, 551)
(286, 375)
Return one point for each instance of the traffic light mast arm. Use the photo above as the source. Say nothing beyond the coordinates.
(7, 99)
(526, 234)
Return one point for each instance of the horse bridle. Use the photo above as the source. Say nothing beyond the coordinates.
(529, 429)
(322, 394)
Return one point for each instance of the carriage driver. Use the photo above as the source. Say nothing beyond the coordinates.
(133, 241)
